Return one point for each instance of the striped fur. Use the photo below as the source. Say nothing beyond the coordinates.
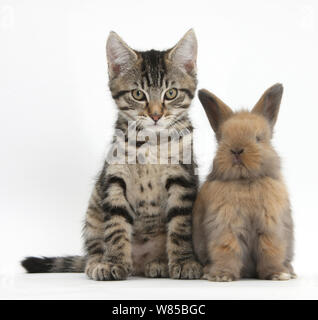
(138, 220)
(54, 264)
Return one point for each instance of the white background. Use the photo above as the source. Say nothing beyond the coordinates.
(56, 120)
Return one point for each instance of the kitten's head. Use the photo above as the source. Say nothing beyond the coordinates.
(153, 88)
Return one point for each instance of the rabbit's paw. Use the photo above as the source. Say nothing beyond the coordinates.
(219, 277)
(280, 276)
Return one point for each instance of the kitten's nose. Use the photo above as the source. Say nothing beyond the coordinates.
(237, 152)
(155, 116)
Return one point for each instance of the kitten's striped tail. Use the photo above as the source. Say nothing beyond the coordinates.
(54, 264)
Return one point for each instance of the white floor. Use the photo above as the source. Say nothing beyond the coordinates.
(77, 286)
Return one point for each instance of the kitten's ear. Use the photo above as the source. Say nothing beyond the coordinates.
(119, 56)
(268, 105)
(216, 110)
(184, 53)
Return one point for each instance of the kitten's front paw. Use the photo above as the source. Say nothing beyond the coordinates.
(101, 271)
(190, 269)
(156, 269)
(219, 277)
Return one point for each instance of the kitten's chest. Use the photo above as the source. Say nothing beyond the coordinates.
(148, 198)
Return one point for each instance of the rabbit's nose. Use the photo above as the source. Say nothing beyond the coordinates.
(237, 151)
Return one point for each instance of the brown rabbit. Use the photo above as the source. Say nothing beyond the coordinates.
(242, 219)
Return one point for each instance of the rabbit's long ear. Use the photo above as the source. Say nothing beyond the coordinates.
(216, 110)
(268, 104)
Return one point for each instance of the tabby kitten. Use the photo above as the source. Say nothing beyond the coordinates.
(138, 221)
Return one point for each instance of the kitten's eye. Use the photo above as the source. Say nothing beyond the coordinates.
(171, 94)
(138, 95)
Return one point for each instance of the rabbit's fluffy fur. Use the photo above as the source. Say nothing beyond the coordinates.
(242, 219)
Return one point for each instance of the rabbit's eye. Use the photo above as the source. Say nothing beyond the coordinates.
(258, 139)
